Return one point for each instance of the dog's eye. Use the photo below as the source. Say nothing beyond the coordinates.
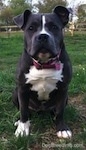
(54, 27)
(31, 28)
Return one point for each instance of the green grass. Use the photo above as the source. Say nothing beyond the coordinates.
(43, 130)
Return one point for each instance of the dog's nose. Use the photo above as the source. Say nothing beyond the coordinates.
(43, 38)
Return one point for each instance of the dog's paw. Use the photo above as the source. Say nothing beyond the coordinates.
(22, 128)
(64, 134)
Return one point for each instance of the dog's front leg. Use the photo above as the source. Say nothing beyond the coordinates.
(62, 130)
(23, 124)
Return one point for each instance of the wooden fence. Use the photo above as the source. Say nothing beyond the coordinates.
(78, 27)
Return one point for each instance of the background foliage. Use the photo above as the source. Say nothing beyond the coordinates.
(15, 7)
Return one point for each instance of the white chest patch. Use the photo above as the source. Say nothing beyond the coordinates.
(43, 81)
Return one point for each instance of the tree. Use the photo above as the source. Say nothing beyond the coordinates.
(6, 15)
(18, 6)
(48, 5)
(14, 7)
(82, 13)
(1, 4)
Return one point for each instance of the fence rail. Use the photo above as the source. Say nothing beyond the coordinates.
(78, 27)
(7, 28)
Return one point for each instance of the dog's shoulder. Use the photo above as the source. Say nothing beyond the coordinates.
(67, 70)
(23, 66)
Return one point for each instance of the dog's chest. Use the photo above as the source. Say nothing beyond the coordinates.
(43, 81)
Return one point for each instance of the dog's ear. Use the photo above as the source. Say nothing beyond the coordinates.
(21, 19)
(63, 14)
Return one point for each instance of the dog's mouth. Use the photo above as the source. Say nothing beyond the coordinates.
(46, 61)
(44, 56)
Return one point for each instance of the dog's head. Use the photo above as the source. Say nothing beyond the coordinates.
(43, 32)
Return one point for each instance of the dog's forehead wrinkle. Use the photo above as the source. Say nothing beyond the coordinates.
(51, 18)
(34, 18)
(54, 18)
(43, 19)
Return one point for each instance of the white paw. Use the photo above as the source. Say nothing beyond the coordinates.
(22, 128)
(64, 134)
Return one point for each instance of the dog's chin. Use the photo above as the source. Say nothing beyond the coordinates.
(43, 57)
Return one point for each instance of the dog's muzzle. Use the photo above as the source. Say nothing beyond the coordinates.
(43, 47)
(43, 38)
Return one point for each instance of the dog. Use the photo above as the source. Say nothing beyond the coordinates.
(44, 70)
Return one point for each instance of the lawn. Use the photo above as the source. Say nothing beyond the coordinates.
(43, 133)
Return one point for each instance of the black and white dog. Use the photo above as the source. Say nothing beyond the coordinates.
(44, 71)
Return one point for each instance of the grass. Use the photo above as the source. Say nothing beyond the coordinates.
(43, 135)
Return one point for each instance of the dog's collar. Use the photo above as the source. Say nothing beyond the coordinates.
(53, 63)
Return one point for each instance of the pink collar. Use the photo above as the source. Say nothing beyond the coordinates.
(53, 63)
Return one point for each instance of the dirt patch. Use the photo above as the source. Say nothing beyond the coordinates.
(79, 104)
